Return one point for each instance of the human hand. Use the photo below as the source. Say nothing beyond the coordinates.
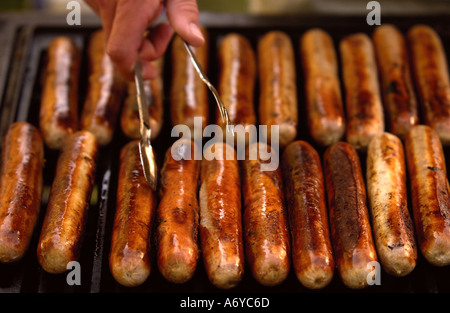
(125, 24)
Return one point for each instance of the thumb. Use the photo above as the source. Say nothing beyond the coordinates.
(183, 16)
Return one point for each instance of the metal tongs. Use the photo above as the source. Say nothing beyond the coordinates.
(222, 110)
(145, 148)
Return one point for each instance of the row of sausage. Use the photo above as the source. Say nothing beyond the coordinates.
(380, 78)
(299, 213)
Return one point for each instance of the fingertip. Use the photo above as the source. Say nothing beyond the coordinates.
(184, 17)
(197, 39)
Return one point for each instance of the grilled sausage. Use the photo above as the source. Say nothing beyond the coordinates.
(63, 228)
(432, 79)
(386, 187)
(430, 193)
(278, 86)
(129, 120)
(351, 233)
(188, 93)
(178, 213)
(58, 115)
(237, 83)
(129, 259)
(266, 231)
(304, 187)
(105, 92)
(20, 189)
(365, 117)
(324, 107)
(400, 104)
(220, 217)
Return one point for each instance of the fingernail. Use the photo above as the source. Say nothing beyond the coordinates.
(195, 30)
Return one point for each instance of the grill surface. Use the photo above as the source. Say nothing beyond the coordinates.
(22, 54)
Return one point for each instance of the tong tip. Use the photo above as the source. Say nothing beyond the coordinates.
(148, 161)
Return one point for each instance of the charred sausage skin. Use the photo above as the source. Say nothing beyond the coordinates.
(324, 105)
(220, 217)
(432, 79)
(105, 92)
(312, 254)
(430, 193)
(63, 227)
(351, 232)
(365, 116)
(178, 213)
(278, 86)
(397, 89)
(131, 240)
(188, 93)
(21, 179)
(58, 114)
(266, 230)
(387, 192)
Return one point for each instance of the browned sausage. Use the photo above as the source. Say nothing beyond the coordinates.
(129, 120)
(351, 233)
(324, 107)
(129, 259)
(278, 86)
(386, 187)
(237, 83)
(58, 115)
(20, 189)
(430, 193)
(188, 93)
(178, 213)
(432, 79)
(397, 89)
(220, 216)
(365, 117)
(304, 187)
(266, 231)
(63, 228)
(105, 92)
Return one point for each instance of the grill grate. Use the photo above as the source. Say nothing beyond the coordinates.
(28, 39)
